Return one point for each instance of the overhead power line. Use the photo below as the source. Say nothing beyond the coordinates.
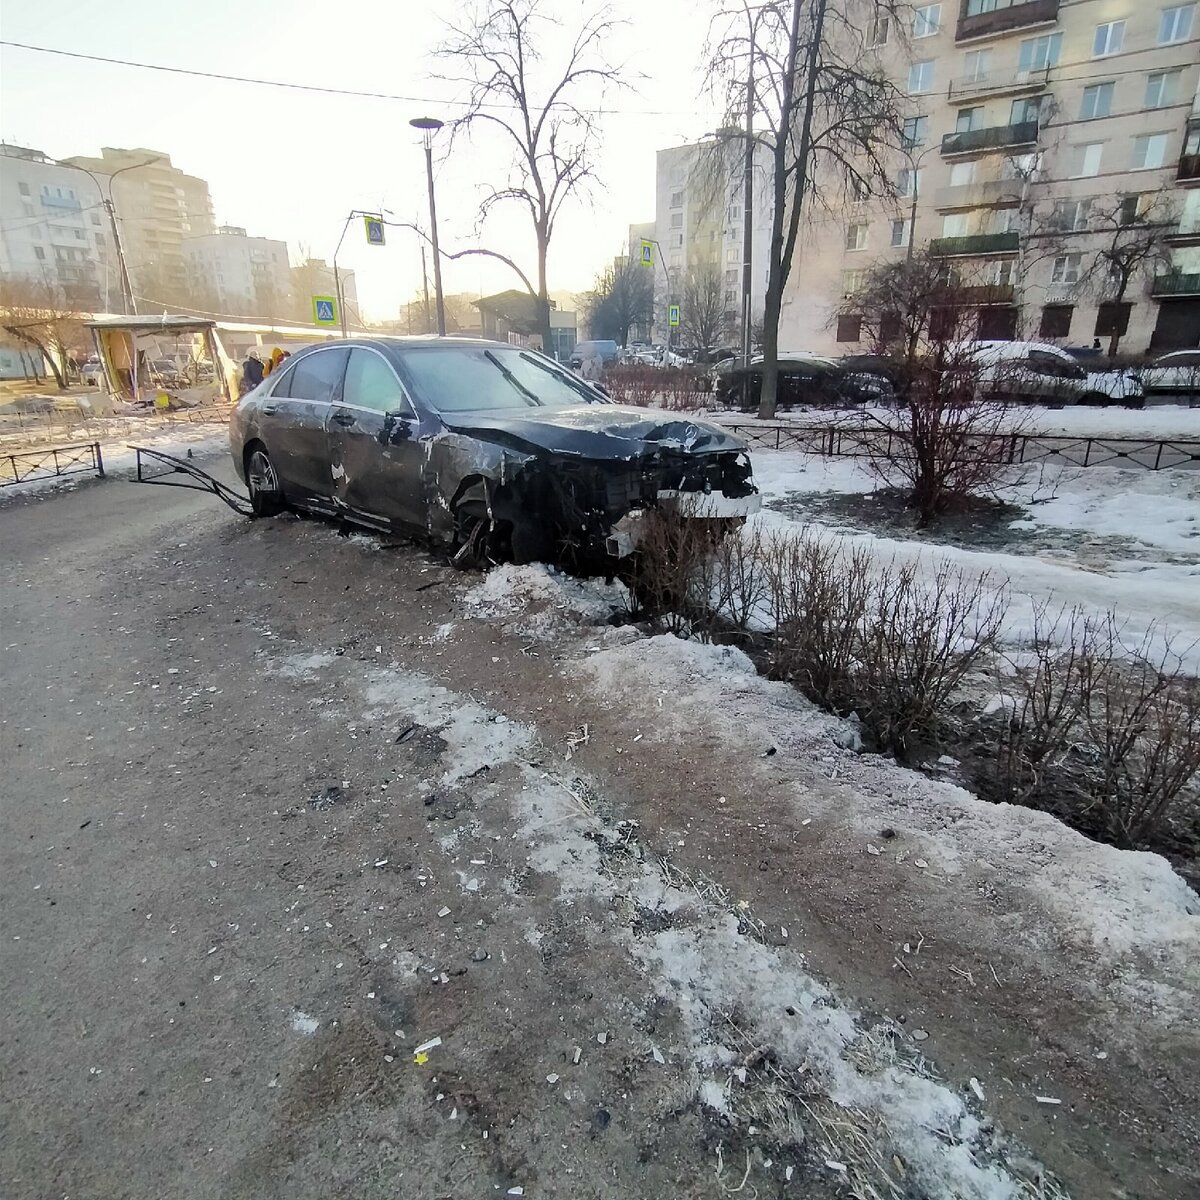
(317, 88)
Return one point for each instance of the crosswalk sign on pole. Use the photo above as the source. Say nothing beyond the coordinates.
(673, 315)
(324, 310)
(375, 230)
(647, 253)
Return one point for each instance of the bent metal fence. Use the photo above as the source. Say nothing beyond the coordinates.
(27, 465)
(841, 441)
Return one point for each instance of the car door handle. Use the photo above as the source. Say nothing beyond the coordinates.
(343, 418)
(270, 408)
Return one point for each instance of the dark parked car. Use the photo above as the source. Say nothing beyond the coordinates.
(607, 351)
(803, 379)
(497, 451)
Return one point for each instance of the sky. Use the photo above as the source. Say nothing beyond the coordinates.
(291, 165)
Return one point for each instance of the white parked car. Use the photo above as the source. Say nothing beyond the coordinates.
(1174, 378)
(1039, 373)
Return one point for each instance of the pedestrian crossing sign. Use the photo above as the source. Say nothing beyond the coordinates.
(673, 315)
(374, 228)
(647, 253)
(324, 310)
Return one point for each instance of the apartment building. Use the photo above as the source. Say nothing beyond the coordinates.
(314, 277)
(238, 275)
(54, 230)
(698, 222)
(158, 207)
(1040, 133)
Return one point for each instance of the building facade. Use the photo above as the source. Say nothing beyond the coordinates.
(237, 275)
(55, 232)
(698, 223)
(1043, 139)
(158, 207)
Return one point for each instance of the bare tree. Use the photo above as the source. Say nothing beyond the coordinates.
(1134, 231)
(621, 299)
(536, 111)
(826, 110)
(45, 317)
(946, 442)
(704, 321)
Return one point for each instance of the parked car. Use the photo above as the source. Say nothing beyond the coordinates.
(803, 379)
(606, 351)
(92, 373)
(1039, 373)
(1174, 378)
(494, 450)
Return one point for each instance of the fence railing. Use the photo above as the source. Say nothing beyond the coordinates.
(26, 465)
(33, 428)
(855, 441)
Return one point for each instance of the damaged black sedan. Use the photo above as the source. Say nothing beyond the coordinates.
(490, 449)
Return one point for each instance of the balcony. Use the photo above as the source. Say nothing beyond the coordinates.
(1176, 283)
(971, 141)
(975, 243)
(979, 195)
(1189, 168)
(998, 83)
(1000, 20)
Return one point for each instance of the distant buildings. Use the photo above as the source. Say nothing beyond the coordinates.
(314, 277)
(237, 275)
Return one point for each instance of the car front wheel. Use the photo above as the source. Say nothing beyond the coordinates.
(266, 496)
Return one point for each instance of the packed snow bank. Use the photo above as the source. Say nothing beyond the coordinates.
(542, 600)
(1112, 906)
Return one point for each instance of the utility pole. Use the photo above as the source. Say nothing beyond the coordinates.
(428, 126)
(425, 281)
(748, 208)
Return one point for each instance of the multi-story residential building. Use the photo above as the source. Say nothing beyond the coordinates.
(237, 275)
(158, 207)
(1040, 133)
(698, 221)
(54, 230)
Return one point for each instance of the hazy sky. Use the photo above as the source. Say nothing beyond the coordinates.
(291, 165)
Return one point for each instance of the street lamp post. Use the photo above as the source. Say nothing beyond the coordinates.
(428, 126)
(128, 303)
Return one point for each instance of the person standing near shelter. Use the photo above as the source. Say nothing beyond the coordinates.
(252, 372)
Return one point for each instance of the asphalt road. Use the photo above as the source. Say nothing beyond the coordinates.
(248, 781)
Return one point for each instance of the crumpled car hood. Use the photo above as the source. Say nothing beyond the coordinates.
(594, 431)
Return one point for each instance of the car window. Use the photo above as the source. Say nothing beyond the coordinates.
(469, 379)
(371, 383)
(318, 376)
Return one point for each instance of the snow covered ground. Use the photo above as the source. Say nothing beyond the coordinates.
(1135, 543)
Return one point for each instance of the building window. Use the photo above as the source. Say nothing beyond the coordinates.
(1056, 321)
(968, 119)
(908, 182)
(1175, 24)
(856, 236)
(998, 272)
(927, 20)
(1086, 160)
(677, 239)
(39, 253)
(1162, 88)
(676, 262)
(962, 173)
(1132, 207)
(1066, 268)
(677, 220)
(1097, 101)
(1113, 317)
(879, 31)
(676, 199)
(731, 277)
(920, 77)
(80, 236)
(729, 296)
(900, 233)
(1149, 151)
(732, 256)
(23, 188)
(849, 327)
(916, 129)
(735, 212)
(852, 281)
(1036, 54)
(1026, 108)
(1071, 215)
(976, 64)
(1109, 39)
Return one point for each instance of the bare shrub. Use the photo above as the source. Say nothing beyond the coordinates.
(741, 578)
(1103, 734)
(672, 574)
(921, 637)
(630, 384)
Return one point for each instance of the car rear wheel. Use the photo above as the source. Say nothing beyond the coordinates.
(266, 495)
